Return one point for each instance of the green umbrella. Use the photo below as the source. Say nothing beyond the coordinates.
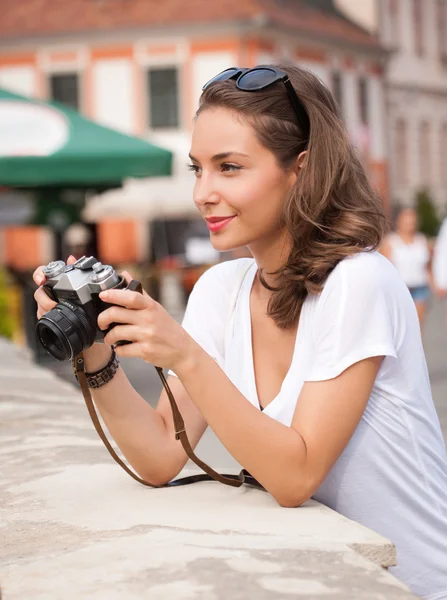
(47, 144)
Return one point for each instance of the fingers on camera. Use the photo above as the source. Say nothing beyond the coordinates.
(45, 304)
(38, 276)
(127, 276)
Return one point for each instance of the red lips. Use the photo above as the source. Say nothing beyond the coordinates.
(217, 223)
(217, 219)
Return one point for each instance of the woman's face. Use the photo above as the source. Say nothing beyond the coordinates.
(236, 178)
(407, 221)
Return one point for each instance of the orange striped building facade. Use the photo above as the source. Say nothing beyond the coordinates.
(111, 70)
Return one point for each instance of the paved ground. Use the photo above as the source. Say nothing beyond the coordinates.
(145, 379)
(435, 342)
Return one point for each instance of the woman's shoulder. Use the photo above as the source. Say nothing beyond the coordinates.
(364, 270)
(208, 302)
(392, 238)
(421, 238)
(366, 261)
(362, 289)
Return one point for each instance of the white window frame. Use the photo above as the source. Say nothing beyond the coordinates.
(148, 97)
(48, 67)
(79, 85)
(176, 60)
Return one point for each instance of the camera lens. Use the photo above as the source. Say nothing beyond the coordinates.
(65, 331)
(57, 347)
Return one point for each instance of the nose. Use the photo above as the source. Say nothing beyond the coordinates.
(205, 192)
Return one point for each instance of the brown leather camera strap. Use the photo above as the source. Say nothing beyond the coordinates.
(180, 434)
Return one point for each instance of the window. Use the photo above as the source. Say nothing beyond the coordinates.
(424, 151)
(401, 152)
(64, 88)
(418, 27)
(337, 90)
(163, 98)
(442, 30)
(363, 100)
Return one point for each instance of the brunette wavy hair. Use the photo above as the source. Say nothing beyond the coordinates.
(332, 212)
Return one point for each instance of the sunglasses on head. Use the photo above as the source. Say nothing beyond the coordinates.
(261, 77)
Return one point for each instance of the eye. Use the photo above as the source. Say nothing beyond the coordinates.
(194, 168)
(230, 167)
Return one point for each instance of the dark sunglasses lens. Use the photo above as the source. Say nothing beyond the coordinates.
(257, 79)
(227, 74)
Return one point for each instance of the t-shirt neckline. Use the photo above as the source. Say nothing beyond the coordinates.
(248, 285)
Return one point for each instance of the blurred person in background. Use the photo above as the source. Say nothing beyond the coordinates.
(440, 264)
(306, 360)
(411, 254)
(77, 240)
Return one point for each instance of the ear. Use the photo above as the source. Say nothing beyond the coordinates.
(299, 164)
(301, 160)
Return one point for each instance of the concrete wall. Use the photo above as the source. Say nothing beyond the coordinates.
(112, 93)
(18, 78)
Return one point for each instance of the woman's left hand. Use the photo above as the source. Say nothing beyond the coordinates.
(154, 335)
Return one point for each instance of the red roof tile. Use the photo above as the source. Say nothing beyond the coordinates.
(26, 18)
(322, 23)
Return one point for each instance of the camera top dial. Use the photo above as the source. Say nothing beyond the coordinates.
(55, 268)
(80, 281)
(101, 272)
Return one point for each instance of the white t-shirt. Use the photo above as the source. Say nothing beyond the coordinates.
(392, 476)
(440, 257)
(410, 260)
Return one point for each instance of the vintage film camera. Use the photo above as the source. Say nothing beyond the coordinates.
(71, 326)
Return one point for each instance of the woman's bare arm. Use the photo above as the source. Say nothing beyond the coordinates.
(290, 462)
(145, 435)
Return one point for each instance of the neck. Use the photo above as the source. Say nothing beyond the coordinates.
(269, 256)
(406, 235)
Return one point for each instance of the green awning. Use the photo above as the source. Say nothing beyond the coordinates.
(47, 144)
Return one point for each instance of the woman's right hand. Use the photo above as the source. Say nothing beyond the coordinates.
(44, 302)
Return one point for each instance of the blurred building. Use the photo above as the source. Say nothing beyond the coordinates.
(139, 65)
(363, 12)
(415, 33)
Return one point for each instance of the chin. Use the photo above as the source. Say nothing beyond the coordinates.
(221, 243)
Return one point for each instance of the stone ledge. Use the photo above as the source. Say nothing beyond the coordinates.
(74, 525)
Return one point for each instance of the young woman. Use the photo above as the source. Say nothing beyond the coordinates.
(305, 360)
(411, 254)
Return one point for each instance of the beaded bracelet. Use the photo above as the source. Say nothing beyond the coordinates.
(97, 379)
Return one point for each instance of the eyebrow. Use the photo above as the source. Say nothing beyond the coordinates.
(221, 156)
